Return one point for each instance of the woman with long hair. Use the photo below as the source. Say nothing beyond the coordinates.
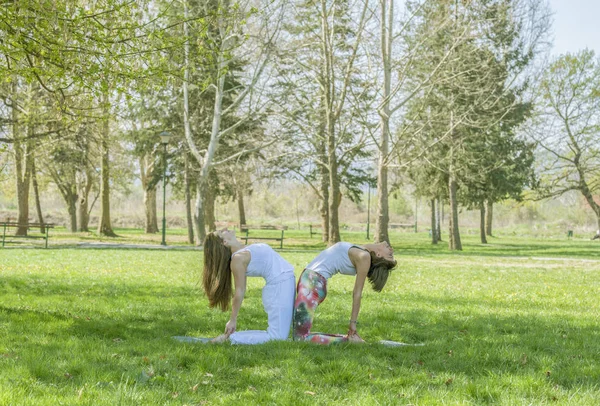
(227, 264)
(370, 261)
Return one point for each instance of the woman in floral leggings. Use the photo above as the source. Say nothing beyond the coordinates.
(371, 261)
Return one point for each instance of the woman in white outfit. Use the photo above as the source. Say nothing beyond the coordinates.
(227, 259)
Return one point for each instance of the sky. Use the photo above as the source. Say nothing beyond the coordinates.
(576, 25)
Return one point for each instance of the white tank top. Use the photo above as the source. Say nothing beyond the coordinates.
(265, 262)
(334, 260)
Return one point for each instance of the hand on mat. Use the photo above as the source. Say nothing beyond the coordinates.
(230, 327)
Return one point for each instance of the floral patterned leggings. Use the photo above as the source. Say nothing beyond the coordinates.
(310, 292)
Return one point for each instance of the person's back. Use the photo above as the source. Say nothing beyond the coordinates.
(334, 260)
(266, 263)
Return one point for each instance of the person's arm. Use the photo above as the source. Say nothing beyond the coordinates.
(238, 267)
(361, 261)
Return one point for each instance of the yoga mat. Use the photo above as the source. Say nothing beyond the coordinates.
(389, 343)
(188, 339)
(204, 340)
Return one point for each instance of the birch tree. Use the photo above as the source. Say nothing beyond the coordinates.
(224, 41)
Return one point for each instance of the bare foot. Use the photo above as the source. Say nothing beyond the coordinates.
(355, 338)
(220, 339)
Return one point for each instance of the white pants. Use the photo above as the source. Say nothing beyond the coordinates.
(278, 302)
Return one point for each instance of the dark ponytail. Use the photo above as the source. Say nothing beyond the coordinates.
(379, 271)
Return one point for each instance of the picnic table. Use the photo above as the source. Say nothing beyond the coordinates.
(43, 233)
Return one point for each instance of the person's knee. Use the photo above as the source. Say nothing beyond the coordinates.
(297, 336)
(277, 334)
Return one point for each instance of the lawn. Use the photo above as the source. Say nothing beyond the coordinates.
(514, 322)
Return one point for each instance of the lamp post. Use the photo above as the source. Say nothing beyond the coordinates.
(164, 139)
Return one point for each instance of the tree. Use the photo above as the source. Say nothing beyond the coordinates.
(477, 90)
(507, 171)
(567, 127)
(400, 54)
(65, 160)
(324, 98)
(223, 39)
(146, 115)
(72, 50)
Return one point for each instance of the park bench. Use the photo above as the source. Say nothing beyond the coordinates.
(393, 226)
(246, 229)
(42, 234)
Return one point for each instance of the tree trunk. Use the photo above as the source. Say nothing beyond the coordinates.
(323, 171)
(209, 156)
(23, 160)
(84, 186)
(434, 232)
(67, 186)
(482, 222)
(188, 199)
(84, 217)
(241, 209)
(151, 223)
(454, 242)
(334, 184)
(586, 192)
(209, 208)
(36, 194)
(23, 185)
(489, 215)
(104, 226)
(383, 217)
(146, 169)
(334, 203)
(324, 187)
(328, 94)
(439, 214)
(199, 215)
(72, 210)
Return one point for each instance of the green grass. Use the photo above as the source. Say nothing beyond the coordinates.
(512, 323)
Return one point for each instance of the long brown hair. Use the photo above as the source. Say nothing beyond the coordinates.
(216, 277)
(379, 271)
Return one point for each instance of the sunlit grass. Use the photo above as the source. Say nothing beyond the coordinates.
(94, 327)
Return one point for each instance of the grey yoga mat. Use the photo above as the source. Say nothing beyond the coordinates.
(203, 340)
(188, 339)
(389, 343)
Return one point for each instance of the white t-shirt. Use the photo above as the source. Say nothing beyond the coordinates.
(265, 262)
(334, 260)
